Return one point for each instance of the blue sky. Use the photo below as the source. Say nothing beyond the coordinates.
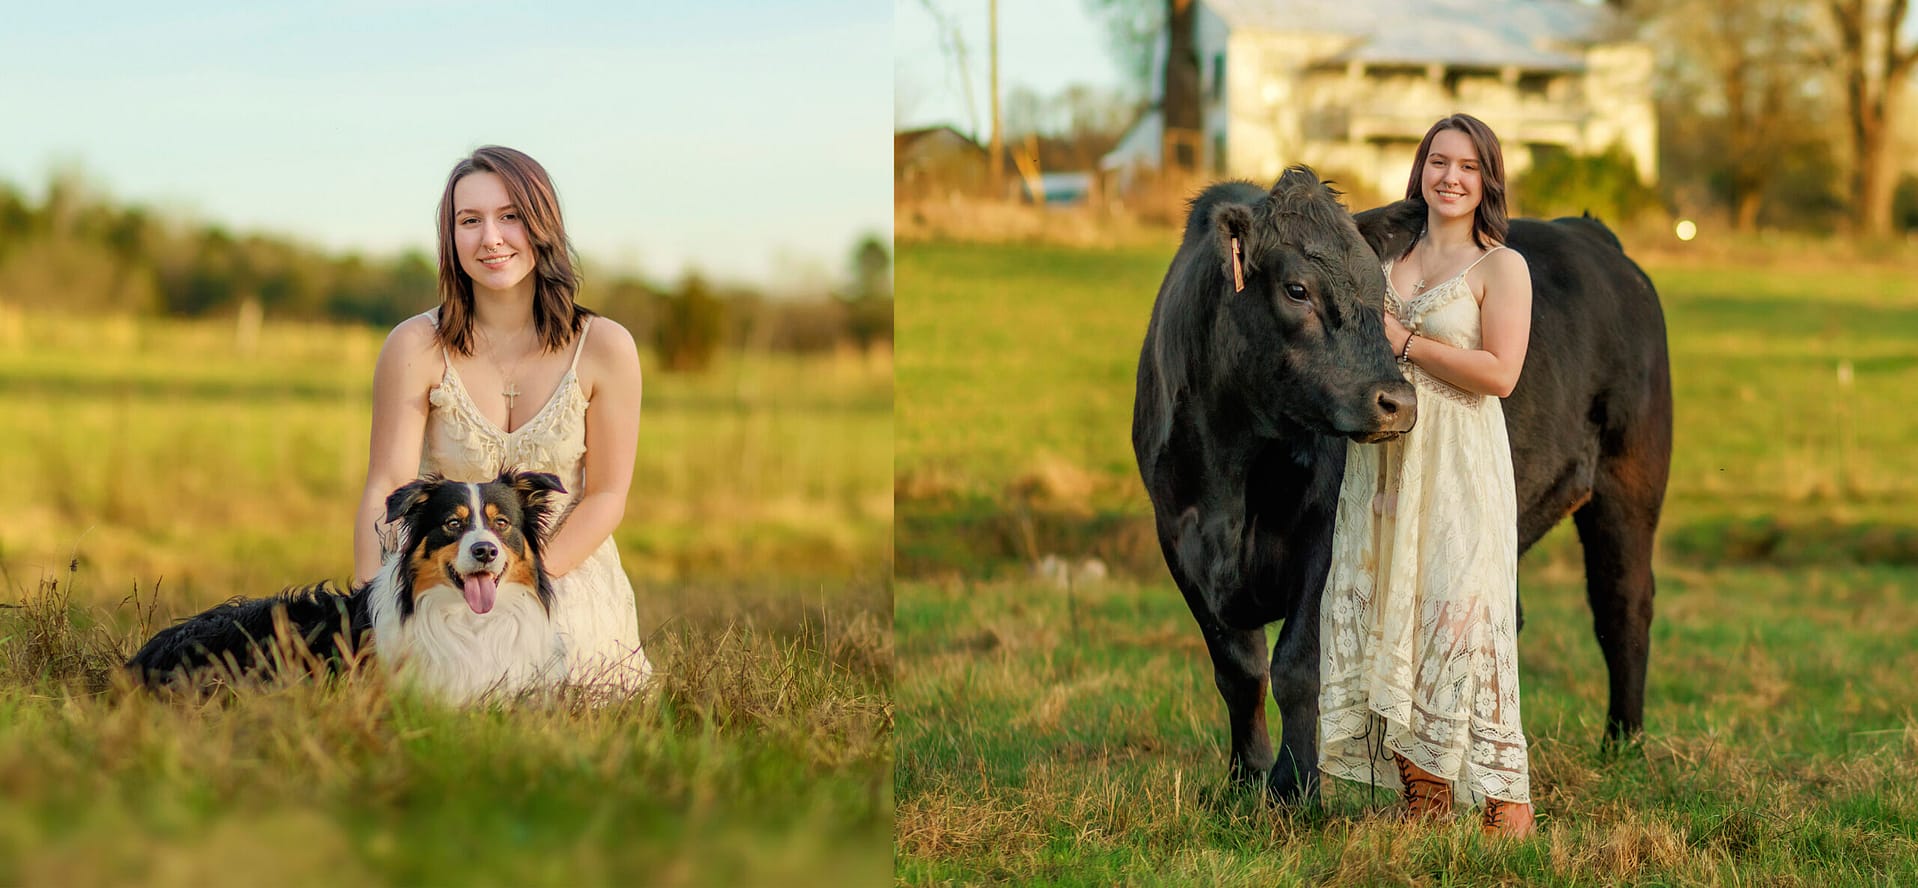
(745, 139)
(1044, 45)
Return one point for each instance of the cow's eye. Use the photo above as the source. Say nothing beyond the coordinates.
(1295, 292)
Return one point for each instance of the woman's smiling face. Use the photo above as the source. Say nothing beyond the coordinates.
(490, 235)
(1450, 180)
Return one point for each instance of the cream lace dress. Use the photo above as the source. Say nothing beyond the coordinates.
(593, 606)
(1418, 635)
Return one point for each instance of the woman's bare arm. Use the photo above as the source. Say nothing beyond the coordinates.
(611, 363)
(1505, 328)
(409, 365)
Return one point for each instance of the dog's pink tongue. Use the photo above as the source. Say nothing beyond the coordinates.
(480, 589)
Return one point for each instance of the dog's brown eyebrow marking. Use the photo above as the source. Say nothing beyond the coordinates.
(462, 512)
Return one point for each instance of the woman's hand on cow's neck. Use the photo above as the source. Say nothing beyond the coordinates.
(1395, 332)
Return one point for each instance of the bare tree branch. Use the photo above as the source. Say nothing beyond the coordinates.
(952, 43)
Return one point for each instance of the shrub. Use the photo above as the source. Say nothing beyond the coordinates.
(1605, 185)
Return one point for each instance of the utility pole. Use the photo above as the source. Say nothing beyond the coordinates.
(996, 170)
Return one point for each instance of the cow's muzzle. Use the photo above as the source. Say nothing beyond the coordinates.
(1393, 408)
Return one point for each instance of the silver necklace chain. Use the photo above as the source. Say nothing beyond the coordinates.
(511, 390)
(1424, 275)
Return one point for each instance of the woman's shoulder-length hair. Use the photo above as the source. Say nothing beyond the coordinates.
(557, 317)
(1490, 221)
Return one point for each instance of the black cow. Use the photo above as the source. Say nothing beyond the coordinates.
(1246, 398)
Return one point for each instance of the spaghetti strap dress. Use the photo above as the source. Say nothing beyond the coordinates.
(593, 606)
(1418, 626)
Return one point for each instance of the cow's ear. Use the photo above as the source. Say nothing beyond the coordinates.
(1390, 230)
(1232, 224)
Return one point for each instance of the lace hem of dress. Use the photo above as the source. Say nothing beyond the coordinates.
(1484, 757)
(1451, 705)
(1382, 773)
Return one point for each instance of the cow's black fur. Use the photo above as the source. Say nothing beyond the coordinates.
(1237, 391)
(1242, 456)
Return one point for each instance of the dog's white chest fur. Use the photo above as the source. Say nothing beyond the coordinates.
(460, 656)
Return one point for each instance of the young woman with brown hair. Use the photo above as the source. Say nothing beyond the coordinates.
(510, 372)
(1418, 630)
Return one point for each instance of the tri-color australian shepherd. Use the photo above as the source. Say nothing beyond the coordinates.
(461, 608)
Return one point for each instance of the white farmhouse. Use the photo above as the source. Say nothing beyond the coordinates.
(1350, 86)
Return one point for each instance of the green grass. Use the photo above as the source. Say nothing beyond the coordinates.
(1015, 387)
(1071, 735)
(145, 447)
(1076, 739)
(156, 468)
(762, 756)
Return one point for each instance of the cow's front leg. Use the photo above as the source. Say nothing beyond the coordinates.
(1239, 670)
(1295, 687)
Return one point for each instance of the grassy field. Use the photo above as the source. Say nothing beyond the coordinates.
(159, 467)
(145, 448)
(1065, 731)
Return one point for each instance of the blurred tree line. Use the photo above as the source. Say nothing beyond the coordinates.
(79, 251)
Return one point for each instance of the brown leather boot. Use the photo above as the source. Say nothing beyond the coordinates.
(1426, 796)
(1509, 819)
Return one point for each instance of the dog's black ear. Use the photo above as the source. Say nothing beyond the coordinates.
(534, 488)
(538, 492)
(409, 497)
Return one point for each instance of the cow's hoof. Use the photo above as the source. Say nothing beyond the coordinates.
(1622, 744)
(1235, 793)
(1289, 791)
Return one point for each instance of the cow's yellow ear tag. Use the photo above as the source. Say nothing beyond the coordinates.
(1238, 270)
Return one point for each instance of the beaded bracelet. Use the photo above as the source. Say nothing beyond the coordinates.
(1405, 351)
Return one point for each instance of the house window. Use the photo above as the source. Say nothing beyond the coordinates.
(1535, 86)
(1469, 84)
(1392, 72)
(1218, 76)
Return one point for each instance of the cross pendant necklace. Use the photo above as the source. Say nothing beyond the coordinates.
(511, 392)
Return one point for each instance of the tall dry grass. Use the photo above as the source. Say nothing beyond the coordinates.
(160, 467)
(762, 753)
